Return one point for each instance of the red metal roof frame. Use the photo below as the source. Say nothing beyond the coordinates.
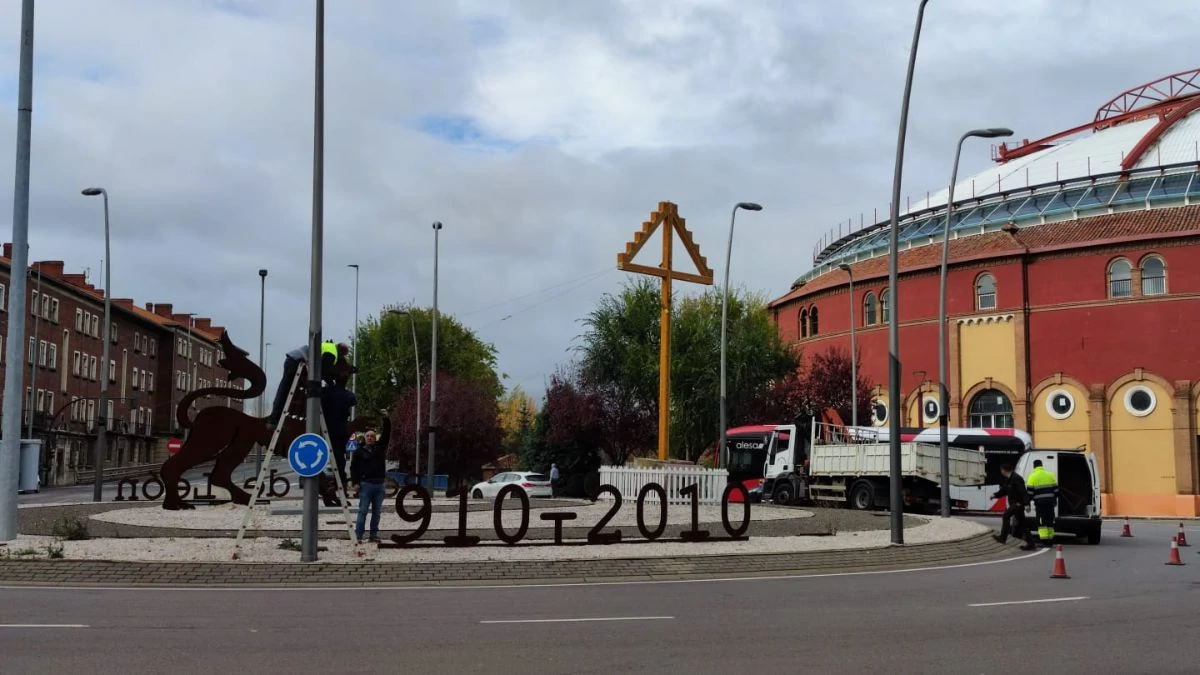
(1159, 97)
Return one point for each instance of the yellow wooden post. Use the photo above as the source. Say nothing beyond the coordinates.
(668, 216)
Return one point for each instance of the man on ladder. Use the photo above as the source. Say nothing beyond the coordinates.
(291, 363)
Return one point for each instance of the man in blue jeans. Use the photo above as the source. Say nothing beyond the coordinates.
(368, 470)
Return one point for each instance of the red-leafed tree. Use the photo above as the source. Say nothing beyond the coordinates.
(826, 384)
(469, 434)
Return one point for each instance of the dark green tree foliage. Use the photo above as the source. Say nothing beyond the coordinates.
(387, 362)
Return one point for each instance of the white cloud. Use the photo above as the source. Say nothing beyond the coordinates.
(196, 115)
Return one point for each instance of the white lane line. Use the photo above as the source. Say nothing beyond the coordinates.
(44, 625)
(1028, 602)
(477, 587)
(602, 618)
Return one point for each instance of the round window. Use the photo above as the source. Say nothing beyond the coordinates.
(879, 412)
(930, 409)
(1140, 401)
(1060, 404)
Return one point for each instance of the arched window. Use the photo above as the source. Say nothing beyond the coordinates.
(985, 292)
(883, 306)
(870, 310)
(812, 321)
(991, 409)
(803, 330)
(1120, 279)
(1154, 275)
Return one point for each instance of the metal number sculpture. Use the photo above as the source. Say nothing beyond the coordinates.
(227, 434)
(595, 535)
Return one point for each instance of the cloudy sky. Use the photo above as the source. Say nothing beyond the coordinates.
(541, 132)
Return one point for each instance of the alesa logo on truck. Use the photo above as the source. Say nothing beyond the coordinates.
(749, 445)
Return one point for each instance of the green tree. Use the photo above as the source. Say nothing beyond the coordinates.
(387, 362)
(620, 354)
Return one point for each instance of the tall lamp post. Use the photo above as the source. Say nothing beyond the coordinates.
(722, 452)
(437, 229)
(354, 341)
(308, 538)
(262, 356)
(417, 358)
(895, 485)
(101, 436)
(943, 393)
(853, 351)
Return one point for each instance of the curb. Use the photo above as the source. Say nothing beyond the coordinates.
(976, 548)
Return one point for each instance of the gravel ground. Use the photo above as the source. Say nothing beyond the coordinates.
(266, 550)
(786, 521)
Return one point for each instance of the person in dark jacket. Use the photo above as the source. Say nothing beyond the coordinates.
(368, 470)
(1018, 500)
(336, 403)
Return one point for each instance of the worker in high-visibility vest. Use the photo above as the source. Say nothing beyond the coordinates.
(1043, 488)
(291, 363)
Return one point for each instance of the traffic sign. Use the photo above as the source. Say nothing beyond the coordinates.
(174, 445)
(308, 455)
(351, 445)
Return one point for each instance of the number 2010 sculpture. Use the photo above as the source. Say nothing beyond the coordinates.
(596, 535)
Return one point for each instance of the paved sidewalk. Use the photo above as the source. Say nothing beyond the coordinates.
(100, 573)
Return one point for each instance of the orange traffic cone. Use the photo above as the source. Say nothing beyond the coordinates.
(1181, 538)
(1174, 553)
(1060, 565)
(1125, 530)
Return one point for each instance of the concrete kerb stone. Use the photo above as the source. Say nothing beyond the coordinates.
(174, 574)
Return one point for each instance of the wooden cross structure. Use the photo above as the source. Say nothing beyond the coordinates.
(667, 216)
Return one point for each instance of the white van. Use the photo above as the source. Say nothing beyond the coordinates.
(1078, 510)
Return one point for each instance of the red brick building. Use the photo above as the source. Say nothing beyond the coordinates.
(1073, 297)
(155, 358)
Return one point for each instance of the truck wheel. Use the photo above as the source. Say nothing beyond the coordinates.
(1093, 535)
(784, 494)
(862, 496)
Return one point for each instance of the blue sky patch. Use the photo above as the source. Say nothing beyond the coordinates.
(462, 130)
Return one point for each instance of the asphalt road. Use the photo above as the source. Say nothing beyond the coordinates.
(51, 495)
(1123, 610)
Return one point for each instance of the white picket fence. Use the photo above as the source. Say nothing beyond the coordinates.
(672, 477)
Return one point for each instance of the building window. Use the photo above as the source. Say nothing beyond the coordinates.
(33, 305)
(803, 323)
(50, 402)
(149, 381)
(112, 370)
(1140, 401)
(45, 306)
(812, 322)
(1060, 404)
(1120, 279)
(3, 298)
(1154, 275)
(54, 310)
(137, 342)
(870, 310)
(75, 363)
(879, 413)
(113, 332)
(92, 369)
(930, 409)
(79, 320)
(42, 349)
(95, 326)
(32, 349)
(991, 409)
(52, 357)
(985, 292)
(884, 310)
(135, 378)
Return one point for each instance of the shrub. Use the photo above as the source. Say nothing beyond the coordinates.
(70, 528)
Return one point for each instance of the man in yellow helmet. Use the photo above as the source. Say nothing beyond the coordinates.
(1043, 488)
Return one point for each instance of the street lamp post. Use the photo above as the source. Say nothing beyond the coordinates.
(853, 352)
(722, 452)
(308, 539)
(417, 358)
(895, 484)
(262, 360)
(943, 366)
(437, 229)
(354, 342)
(101, 436)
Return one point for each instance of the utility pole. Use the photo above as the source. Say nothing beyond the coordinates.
(437, 228)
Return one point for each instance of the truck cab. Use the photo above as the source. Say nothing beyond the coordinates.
(1078, 509)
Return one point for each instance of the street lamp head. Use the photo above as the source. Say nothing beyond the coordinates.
(437, 224)
(354, 265)
(262, 273)
(845, 267)
(749, 206)
(991, 132)
(93, 191)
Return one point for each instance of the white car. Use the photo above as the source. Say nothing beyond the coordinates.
(534, 484)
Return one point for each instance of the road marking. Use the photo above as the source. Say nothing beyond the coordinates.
(1028, 602)
(43, 625)
(476, 587)
(603, 618)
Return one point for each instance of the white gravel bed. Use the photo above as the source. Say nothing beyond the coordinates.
(341, 551)
(229, 517)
